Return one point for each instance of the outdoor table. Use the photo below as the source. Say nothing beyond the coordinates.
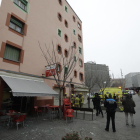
(44, 106)
(11, 115)
(54, 107)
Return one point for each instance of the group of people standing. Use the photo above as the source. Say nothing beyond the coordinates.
(77, 101)
(111, 106)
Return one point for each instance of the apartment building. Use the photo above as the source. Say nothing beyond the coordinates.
(24, 24)
(132, 80)
(96, 76)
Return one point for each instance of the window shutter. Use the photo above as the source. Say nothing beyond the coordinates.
(11, 53)
(66, 70)
(16, 22)
(80, 50)
(24, 2)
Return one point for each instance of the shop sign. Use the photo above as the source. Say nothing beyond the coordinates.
(50, 70)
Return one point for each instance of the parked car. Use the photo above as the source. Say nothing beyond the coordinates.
(90, 95)
(132, 92)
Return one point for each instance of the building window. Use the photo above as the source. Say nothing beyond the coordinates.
(74, 18)
(79, 38)
(80, 63)
(66, 70)
(59, 67)
(59, 17)
(60, 2)
(59, 32)
(16, 25)
(75, 59)
(79, 25)
(74, 32)
(59, 49)
(74, 45)
(66, 23)
(81, 76)
(12, 53)
(22, 4)
(66, 9)
(80, 50)
(66, 53)
(66, 38)
(75, 73)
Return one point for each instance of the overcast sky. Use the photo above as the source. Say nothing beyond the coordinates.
(111, 33)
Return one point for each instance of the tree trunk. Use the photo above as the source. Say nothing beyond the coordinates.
(60, 97)
(60, 111)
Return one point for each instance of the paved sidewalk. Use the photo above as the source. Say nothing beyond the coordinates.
(38, 129)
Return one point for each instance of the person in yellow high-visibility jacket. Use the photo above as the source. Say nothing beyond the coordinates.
(81, 101)
(65, 96)
(125, 93)
(77, 101)
(72, 100)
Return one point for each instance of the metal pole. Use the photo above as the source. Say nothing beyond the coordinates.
(70, 88)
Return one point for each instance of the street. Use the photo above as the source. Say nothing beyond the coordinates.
(38, 129)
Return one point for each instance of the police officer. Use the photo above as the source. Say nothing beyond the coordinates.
(110, 105)
(77, 101)
(72, 100)
(81, 101)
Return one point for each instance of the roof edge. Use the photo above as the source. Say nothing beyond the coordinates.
(73, 10)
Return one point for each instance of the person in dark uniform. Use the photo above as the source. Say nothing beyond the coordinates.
(97, 100)
(94, 105)
(110, 105)
(106, 97)
(114, 97)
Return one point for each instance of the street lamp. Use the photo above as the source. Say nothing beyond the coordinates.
(104, 83)
(103, 89)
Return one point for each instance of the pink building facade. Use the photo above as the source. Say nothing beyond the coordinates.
(26, 23)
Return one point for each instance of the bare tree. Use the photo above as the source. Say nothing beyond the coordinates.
(62, 63)
(90, 79)
(119, 82)
(103, 81)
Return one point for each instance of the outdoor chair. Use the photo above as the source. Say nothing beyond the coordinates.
(13, 116)
(47, 108)
(69, 113)
(20, 120)
(37, 110)
(53, 112)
